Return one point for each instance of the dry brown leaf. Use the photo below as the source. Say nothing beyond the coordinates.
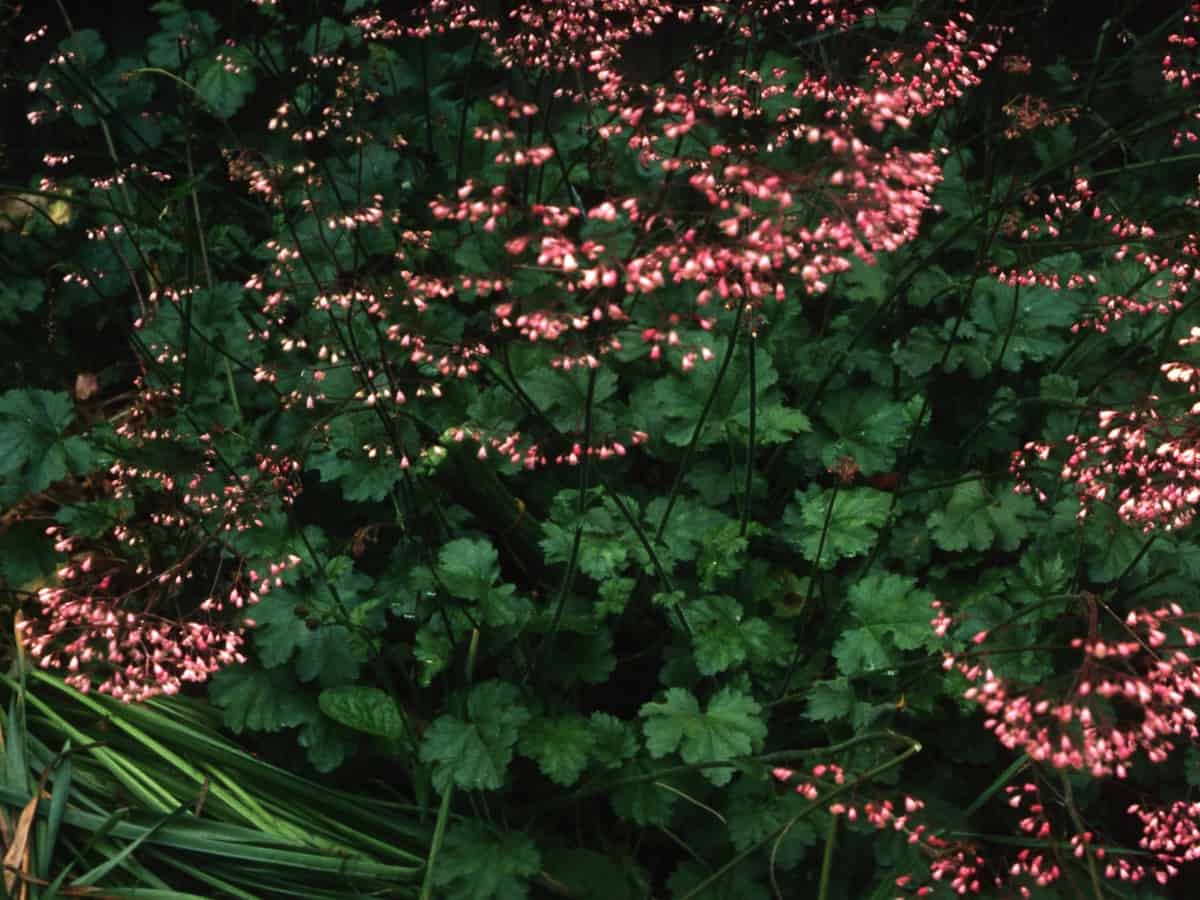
(86, 386)
(16, 857)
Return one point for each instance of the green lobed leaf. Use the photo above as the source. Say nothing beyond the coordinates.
(867, 427)
(474, 752)
(891, 615)
(257, 699)
(478, 863)
(559, 746)
(319, 651)
(35, 451)
(757, 808)
(853, 523)
(676, 402)
(723, 637)
(975, 518)
(226, 81)
(327, 745)
(469, 568)
(731, 726)
(17, 296)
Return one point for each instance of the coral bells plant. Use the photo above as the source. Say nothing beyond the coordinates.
(123, 614)
(564, 414)
(87, 627)
(1132, 696)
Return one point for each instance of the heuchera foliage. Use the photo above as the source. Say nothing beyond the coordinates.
(693, 450)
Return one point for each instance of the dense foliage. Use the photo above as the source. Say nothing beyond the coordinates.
(680, 450)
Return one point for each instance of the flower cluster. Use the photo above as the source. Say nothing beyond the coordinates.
(1132, 694)
(952, 863)
(121, 617)
(125, 628)
(1143, 461)
(1028, 113)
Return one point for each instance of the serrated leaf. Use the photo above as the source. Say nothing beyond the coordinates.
(835, 700)
(328, 655)
(469, 569)
(693, 526)
(360, 476)
(34, 449)
(853, 523)
(863, 281)
(865, 426)
(974, 518)
(197, 28)
(614, 593)
(226, 81)
(891, 615)
(607, 547)
(581, 656)
(85, 47)
(324, 652)
(560, 747)
(1114, 545)
(477, 863)
(327, 745)
(260, 699)
(432, 649)
(613, 741)
(673, 405)
(829, 701)
(722, 637)
(323, 37)
(563, 396)
(1027, 324)
(757, 809)
(19, 295)
(94, 518)
(730, 727)
(474, 753)
(278, 631)
(722, 554)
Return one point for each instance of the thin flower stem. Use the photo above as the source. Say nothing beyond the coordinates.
(602, 785)
(435, 845)
(568, 581)
(826, 861)
(462, 119)
(1017, 765)
(426, 92)
(751, 438)
(671, 789)
(1081, 829)
(513, 386)
(1008, 332)
(812, 581)
(700, 423)
(868, 776)
(683, 845)
(905, 459)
